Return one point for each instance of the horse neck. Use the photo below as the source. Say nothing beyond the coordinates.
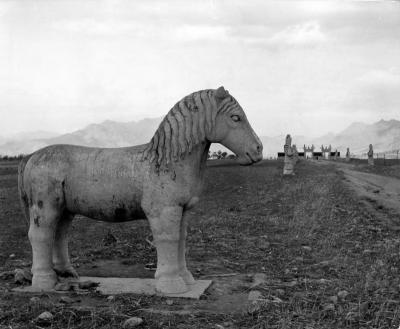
(196, 160)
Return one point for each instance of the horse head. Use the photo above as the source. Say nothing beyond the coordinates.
(233, 130)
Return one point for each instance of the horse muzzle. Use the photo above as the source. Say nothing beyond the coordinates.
(251, 156)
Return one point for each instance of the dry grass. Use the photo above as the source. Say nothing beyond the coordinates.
(308, 233)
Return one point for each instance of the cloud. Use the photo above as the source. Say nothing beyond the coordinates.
(98, 27)
(198, 32)
(307, 34)
(383, 78)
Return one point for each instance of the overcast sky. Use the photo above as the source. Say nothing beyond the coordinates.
(301, 67)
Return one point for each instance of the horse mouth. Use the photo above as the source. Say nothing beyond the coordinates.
(250, 158)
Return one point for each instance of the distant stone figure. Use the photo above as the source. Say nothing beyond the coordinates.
(325, 152)
(336, 155)
(348, 155)
(288, 162)
(371, 155)
(308, 149)
(158, 181)
(295, 153)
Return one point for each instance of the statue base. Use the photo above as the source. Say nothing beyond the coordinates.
(115, 286)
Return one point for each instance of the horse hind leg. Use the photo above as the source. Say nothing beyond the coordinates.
(43, 221)
(61, 262)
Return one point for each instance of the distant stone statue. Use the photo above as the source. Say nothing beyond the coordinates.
(371, 155)
(325, 152)
(336, 155)
(308, 149)
(288, 163)
(158, 181)
(348, 155)
(295, 153)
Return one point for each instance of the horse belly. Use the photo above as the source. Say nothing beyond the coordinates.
(106, 204)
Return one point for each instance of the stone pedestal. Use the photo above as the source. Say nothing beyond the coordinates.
(288, 166)
(114, 286)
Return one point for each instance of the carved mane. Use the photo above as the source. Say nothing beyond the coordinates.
(186, 125)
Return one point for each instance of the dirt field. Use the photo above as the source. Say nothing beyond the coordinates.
(330, 256)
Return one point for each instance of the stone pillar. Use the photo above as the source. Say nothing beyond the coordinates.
(348, 155)
(371, 155)
(288, 163)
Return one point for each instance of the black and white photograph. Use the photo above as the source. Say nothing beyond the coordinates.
(199, 164)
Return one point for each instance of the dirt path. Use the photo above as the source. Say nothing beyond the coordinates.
(383, 191)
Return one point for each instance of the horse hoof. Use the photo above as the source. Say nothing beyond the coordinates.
(67, 273)
(44, 282)
(187, 277)
(171, 285)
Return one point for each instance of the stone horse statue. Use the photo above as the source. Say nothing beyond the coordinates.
(158, 181)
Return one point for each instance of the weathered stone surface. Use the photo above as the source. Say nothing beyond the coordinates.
(295, 154)
(371, 155)
(34, 300)
(45, 317)
(333, 299)
(132, 322)
(159, 181)
(348, 155)
(22, 276)
(342, 294)
(66, 300)
(88, 284)
(309, 151)
(254, 295)
(258, 279)
(115, 286)
(326, 152)
(329, 307)
(289, 161)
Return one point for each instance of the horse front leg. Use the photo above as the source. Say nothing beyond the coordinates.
(183, 271)
(166, 234)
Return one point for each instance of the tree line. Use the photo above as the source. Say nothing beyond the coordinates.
(11, 157)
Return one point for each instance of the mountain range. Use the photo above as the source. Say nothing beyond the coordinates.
(384, 135)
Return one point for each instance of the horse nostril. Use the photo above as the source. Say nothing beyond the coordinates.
(259, 148)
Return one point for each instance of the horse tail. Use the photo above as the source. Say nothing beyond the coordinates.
(23, 196)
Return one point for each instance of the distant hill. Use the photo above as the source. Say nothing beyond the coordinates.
(105, 134)
(384, 135)
(111, 134)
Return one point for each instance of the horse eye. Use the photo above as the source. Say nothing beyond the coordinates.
(235, 118)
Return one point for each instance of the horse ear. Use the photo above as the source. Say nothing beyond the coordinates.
(221, 93)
